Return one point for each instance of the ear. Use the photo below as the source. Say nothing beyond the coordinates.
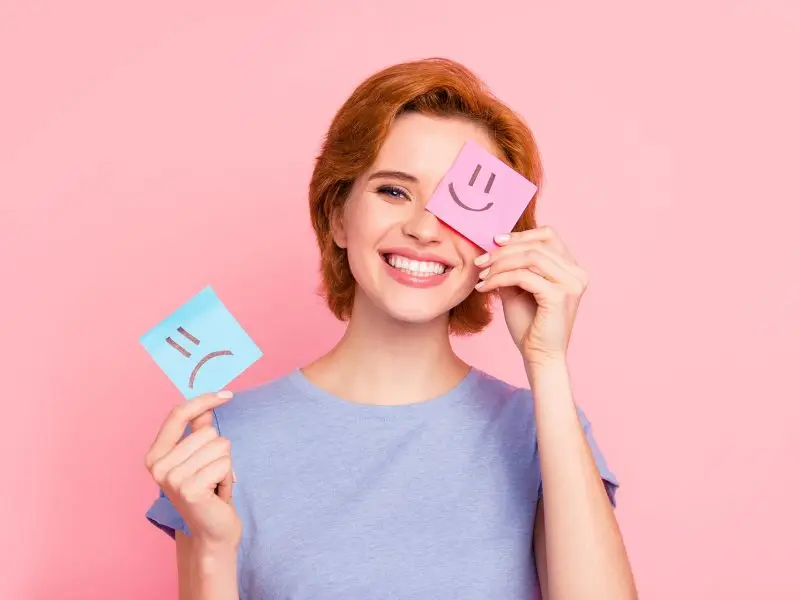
(338, 229)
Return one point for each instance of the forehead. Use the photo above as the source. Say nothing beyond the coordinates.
(426, 146)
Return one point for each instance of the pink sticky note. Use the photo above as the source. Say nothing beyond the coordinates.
(480, 196)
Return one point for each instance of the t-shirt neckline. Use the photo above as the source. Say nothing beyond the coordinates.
(463, 389)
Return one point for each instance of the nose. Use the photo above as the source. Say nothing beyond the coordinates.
(424, 227)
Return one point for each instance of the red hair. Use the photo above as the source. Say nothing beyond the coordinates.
(434, 87)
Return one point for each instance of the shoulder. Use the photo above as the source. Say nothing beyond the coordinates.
(520, 398)
(501, 397)
(489, 386)
(256, 405)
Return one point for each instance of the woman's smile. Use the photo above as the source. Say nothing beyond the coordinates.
(416, 270)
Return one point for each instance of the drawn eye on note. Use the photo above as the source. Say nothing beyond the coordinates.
(188, 354)
(471, 183)
(480, 196)
(200, 346)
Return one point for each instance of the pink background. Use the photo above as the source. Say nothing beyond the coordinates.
(152, 148)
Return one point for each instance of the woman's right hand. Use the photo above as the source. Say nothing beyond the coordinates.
(195, 472)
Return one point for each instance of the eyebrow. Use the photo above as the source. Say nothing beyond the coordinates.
(393, 175)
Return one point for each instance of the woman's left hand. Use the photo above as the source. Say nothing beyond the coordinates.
(540, 286)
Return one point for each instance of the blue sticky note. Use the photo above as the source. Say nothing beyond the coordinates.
(200, 346)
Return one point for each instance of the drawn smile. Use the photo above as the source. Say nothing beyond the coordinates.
(204, 360)
(464, 206)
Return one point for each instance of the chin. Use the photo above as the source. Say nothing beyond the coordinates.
(413, 314)
(415, 306)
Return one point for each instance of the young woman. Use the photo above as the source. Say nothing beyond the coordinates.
(389, 468)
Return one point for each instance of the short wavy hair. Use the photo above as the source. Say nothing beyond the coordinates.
(434, 87)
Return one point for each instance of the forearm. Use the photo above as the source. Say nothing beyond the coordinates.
(585, 553)
(210, 574)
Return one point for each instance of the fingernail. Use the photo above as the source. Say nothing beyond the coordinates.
(480, 284)
(225, 394)
(502, 238)
(483, 274)
(483, 258)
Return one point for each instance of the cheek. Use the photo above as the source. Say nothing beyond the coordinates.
(367, 224)
(467, 250)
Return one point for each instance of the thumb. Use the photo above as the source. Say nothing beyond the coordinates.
(225, 487)
(203, 420)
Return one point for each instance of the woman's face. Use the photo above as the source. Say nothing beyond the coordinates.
(405, 261)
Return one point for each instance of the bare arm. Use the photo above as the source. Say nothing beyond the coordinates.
(578, 546)
(205, 573)
(540, 551)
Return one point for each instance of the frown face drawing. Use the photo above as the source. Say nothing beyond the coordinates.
(201, 347)
(480, 196)
(188, 354)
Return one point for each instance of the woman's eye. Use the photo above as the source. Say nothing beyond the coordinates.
(394, 192)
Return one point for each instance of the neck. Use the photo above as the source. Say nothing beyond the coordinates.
(381, 360)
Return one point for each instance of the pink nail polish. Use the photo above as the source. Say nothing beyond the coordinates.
(483, 258)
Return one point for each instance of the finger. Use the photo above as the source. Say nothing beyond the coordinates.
(203, 483)
(517, 246)
(213, 450)
(536, 258)
(545, 234)
(534, 250)
(180, 453)
(522, 278)
(174, 426)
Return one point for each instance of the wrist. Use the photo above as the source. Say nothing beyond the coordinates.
(546, 374)
(545, 361)
(213, 556)
(214, 571)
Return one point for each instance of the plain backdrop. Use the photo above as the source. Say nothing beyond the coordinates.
(150, 148)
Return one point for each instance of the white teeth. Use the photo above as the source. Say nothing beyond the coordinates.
(416, 267)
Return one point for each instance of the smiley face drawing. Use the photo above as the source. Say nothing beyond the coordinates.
(471, 183)
(480, 196)
(200, 346)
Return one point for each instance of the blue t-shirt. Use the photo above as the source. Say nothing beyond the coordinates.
(343, 500)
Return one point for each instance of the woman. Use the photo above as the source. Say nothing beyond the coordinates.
(389, 468)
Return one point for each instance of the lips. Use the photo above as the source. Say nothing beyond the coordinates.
(412, 254)
(416, 269)
(420, 268)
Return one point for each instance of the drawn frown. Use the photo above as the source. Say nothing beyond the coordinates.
(188, 354)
